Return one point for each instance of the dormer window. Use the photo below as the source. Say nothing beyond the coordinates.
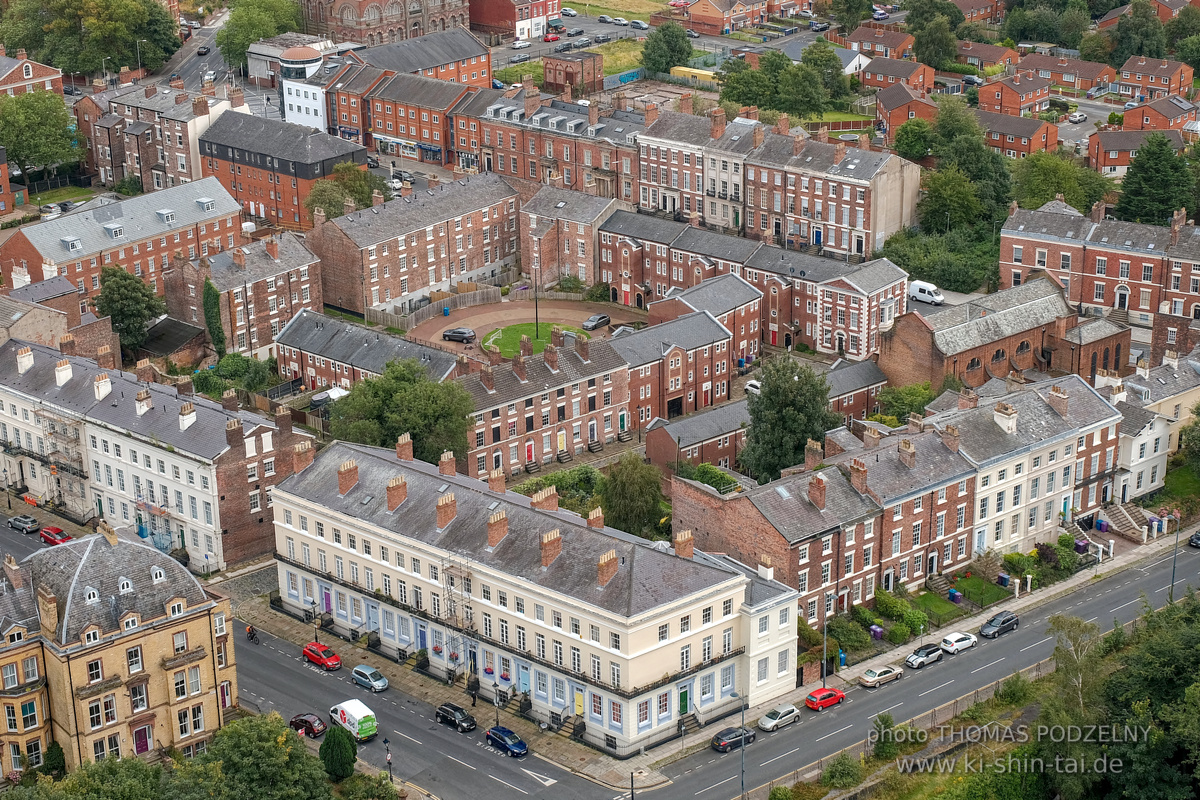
(166, 215)
(91, 596)
(176, 609)
(126, 586)
(91, 637)
(131, 623)
(115, 230)
(206, 203)
(72, 243)
(15, 637)
(157, 574)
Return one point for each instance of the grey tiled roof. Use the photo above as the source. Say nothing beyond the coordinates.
(648, 345)
(786, 506)
(1049, 224)
(1132, 140)
(1027, 83)
(1074, 66)
(137, 216)
(551, 201)
(853, 376)
(1171, 106)
(1093, 330)
(648, 577)
(759, 591)
(997, 316)
(1009, 123)
(1164, 381)
(57, 286)
(286, 141)
(900, 94)
(424, 52)
(1150, 66)
(477, 103)
(1119, 11)
(891, 480)
(893, 67)
(419, 90)
(986, 52)
(718, 295)
(569, 119)
(12, 310)
(643, 226)
(871, 276)
(797, 264)
(403, 215)
(73, 568)
(259, 265)
(679, 127)
(602, 360)
(695, 428)
(358, 346)
(1134, 419)
(715, 245)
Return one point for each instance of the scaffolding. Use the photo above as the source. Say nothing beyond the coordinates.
(64, 456)
(459, 616)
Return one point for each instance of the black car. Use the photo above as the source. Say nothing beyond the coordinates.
(203, 50)
(732, 738)
(562, 47)
(1194, 541)
(600, 38)
(972, 80)
(1003, 622)
(456, 716)
(72, 90)
(925, 654)
(519, 59)
(596, 321)
(372, 162)
(604, 18)
(458, 335)
(575, 32)
(67, 205)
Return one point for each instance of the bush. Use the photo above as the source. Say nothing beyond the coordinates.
(808, 791)
(780, 793)
(570, 283)
(1116, 119)
(808, 636)
(864, 616)
(976, 713)
(504, 290)
(129, 186)
(598, 293)
(1048, 555)
(422, 657)
(1017, 564)
(889, 606)
(1015, 691)
(338, 753)
(844, 772)
(885, 742)
(916, 621)
(55, 764)
(369, 787)
(899, 633)
(959, 69)
(853, 637)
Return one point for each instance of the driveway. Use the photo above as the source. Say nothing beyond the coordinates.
(509, 312)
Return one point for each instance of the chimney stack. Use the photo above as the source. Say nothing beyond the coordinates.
(1058, 400)
(858, 475)
(914, 422)
(272, 247)
(497, 527)
(606, 569)
(551, 547)
(526, 346)
(759, 135)
(446, 463)
(62, 372)
(348, 206)
(816, 491)
(717, 115)
(404, 447)
(783, 125)
(187, 415)
(302, 455)
(967, 399)
(109, 533)
(1171, 358)
(47, 605)
(493, 355)
(556, 337)
(686, 104)
(143, 402)
(66, 345)
(239, 258)
(950, 437)
(814, 454)
(24, 360)
(347, 477)
(908, 453)
(488, 378)
(237, 98)
(546, 499)
(871, 437)
(595, 518)
(518, 367)
(797, 145)
(839, 152)
(229, 400)
(1142, 366)
(105, 358)
(651, 114)
(102, 385)
(496, 481)
(233, 433)
(200, 106)
(593, 114)
(685, 545)
(397, 493)
(144, 371)
(550, 354)
(1006, 417)
(581, 348)
(447, 508)
(433, 181)
(12, 572)
(1097, 213)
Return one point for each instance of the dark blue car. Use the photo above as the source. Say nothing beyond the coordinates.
(506, 741)
(497, 84)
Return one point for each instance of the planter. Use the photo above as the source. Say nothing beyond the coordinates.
(437, 650)
(454, 656)
(504, 676)
(488, 670)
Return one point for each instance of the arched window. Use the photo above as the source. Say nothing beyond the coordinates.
(1094, 358)
(157, 574)
(974, 363)
(1023, 347)
(126, 586)
(91, 595)
(1105, 359)
(999, 355)
(1117, 358)
(28, 71)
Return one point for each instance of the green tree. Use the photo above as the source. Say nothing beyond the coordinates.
(193, 780)
(1189, 441)
(405, 400)
(1188, 51)
(851, 13)
(349, 181)
(369, 787)
(903, 401)
(667, 46)
(886, 747)
(792, 407)
(922, 12)
(1038, 178)
(1140, 33)
(730, 67)
(914, 138)
(748, 88)
(131, 303)
(801, 93)
(36, 129)
(974, 32)
(1096, 46)
(935, 44)
(55, 764)
(950, 201)
(955, 119)
(1073, 24)
(823, 59)
(252, 20)
(262, 758)
(632, 496)
(338, 753)
(1157, 184)
(212, 318)
(107, 779)
(1185, 25)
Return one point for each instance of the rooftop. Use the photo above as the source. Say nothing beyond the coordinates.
(891, 480)
(848, 377)
(786, 506)
(718, 295)
(424, 52)
(285, 141)
(551, 201)
(693, 429)
(259, 265)
(997, 316)
(539, 378)
(689, 332)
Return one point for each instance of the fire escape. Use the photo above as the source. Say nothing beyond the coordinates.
(64, 458)
(459, 617)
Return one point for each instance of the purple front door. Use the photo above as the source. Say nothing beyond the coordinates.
(141, 740)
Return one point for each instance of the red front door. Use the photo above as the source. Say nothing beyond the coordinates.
(774, 336)
(627, 297)
(529, 452)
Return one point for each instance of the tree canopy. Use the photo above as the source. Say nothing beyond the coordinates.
(851, 13)
(131, 304)
(1157, 184)
(935, 43)
(632, 496)
(800, 90)
(1038, 178)
(338, 753)
(962, 260)
(823, 59)
(253, 20)
(960, 143)
(922, 12)
(666, 46)
(349, 181)
(791, 408)
(1139, 33)
(36, 129)
(950, 201)
(904, 401)
(914, 138)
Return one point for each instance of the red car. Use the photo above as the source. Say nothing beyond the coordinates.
(54, 536)
(322, 656)
(821, 699)
(550, 37)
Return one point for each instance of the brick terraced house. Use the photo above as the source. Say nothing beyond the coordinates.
(1017, 137)
(1145, 78)
(713, 436)
(1171, 112)
(1070, 72)
(882, 72)
(729, 299)
(1111, 152)
(1017, 95)
(560, 234)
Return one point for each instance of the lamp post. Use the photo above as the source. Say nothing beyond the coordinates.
(104, 68)
(824, 648)
(138, 45)
(1174, 556)
(741, 700)
(387, 746)
(496, 701)
(317, 625)
(7, 491)
(537, 328)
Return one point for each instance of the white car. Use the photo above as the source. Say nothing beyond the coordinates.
(395, 184)
(569, 12)
(519, 45)
(753, 387)
(777, 717)
(620, 21)
(807, 15)
(1077, 117)
(957, 642)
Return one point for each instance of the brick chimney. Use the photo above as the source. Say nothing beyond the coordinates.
(21, 54)
(187, 416)
(651, 114)
(593, 114)
(397, 492)
(347, 477)
(813, 455)
(348, 206)
(1178, 220)
(497, 527)
(151, 90)
(496, 481)
(783, 125)
(871, 437)
(533, 100)
(493, 356)
(239, 258)
(545, 500)
(908, 453)
(595, 518)
(208, 90)
(518, 366)
(914, 422)
(685, 545)
(229, 400)
(759, 135)
(816, 491)
(447, 509)
(47, 605)
(839, 152)
(1097, 213)
(606, 568)
(105, 357)
(557, 338)
(551, 547)
(686, 104)
(302, 455)
(750, 112)
(619, 102)
(376, 198)
(950, 437)
(967, 399)
(12, 572)
(318, 217)
(717, 115)
(1058, 400)
(797, 144)
(186, 388)
(433, 181)
(488, 378)
(858, 475)
(581, 348)
(200, 106)
(183, 96)
(108, 532)
(404, 447)
(550, 354)
(526, 346)
(446, 463)
(823, 135)
(237, 98)
(233, 433)
(272, 247)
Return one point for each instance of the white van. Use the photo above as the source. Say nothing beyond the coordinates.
(354, 716)
(925, 292)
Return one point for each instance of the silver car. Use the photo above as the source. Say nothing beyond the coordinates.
(777, 717)
(369, 678)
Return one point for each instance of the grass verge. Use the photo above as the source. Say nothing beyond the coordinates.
(515, 73)
(508, 338)
(937, 608)
(980, 591)
(619, 56)
(60, 194)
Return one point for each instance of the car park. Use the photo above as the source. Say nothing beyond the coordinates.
(466, 335)
(562, 47)
(24, 523)
(506, 741)
(308, 725)
(954, 643)
(925, 654)
(691, 34)
(368, 677)
(1077, 116)
(53, 536)
(596, 321)
(604, 18)
(733, 738)
(550, 37)
(777, 717)
(569, 12)
(823, 698)
(600, 38)
(874, 678)
(620, 21)
(638, 25)
(455, 715)
(575, 32)
(1003, 622)
(322, 656)
(521, 44)
(518, 59)
(203, 50)
(582, 43)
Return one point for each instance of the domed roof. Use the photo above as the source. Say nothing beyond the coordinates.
(299, 53)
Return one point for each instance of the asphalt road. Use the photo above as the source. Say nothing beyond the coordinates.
(19, 544)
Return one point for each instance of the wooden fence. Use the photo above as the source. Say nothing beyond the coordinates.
(527, 295)
(481, 296)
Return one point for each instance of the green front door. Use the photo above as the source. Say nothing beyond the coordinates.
(684, 706)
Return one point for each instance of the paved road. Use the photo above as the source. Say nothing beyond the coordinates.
(18, 544)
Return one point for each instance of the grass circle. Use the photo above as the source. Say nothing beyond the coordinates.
(508, 338)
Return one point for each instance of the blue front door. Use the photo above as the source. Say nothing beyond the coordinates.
(817, 236)
(421, 636)
(372, 617)
(523, 671)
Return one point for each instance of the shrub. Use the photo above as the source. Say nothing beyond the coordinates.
(55, 764)
(808, 636)
(338, 753)
(863, 616)
(976, 713)
(885, 742)
(570, 283)
(504, 290)
(808, 791)
(598, 293)
(1015, 691)
(422, 657)
(369, 787)
(916, 621)
(844, 772)
(889, 606)
(852, 636)
(233, 366)
(780, 793)
(1017, 564)
(899, 633)
(1048, 555)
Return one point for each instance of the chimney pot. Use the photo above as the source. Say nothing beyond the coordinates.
(717, 115)
(595, 518)
(347, 477)
(816, 491)
(62, 372)
(546, 499)
(858, 475)
(550, 354)
(404, 447)
(143, 402)
(908, 453)
(397, 492)
(551, 547)
(497, 527)
(496, 481)
(967, 399)
(12, 572)
(606, 569)
(24, 360)
(103, 385)
(685, 544)
(302, 455)
(814, 454)
(187, 415)
(446, 463)
(229, 400)
(446, 510)
(950, 437)
(1058, 400)
(66, 345)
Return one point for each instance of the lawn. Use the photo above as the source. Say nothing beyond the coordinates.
(979, 591)
(77, 193)
(508, 338)
(1182, 483)
(842, 116)
(939, 609)
(516, 73)
(619, 56)
(629, 9)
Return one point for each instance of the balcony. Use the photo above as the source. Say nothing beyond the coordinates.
(186, 657)
(711, 192)
(24, 688)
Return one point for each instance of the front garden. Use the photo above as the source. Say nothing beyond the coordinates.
(508, 338)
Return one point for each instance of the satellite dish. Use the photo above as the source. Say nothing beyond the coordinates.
(802, 273)
(792, 270)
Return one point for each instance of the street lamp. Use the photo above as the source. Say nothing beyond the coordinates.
(496, 701)
(824, 648)
(7, 491)
(104, 69)
(1171, 590)
(387, 746)
(138, 45)
(317, 627)
(742, 733)
(537, 329)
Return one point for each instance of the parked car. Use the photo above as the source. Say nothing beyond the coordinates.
(67, 205)
(604, 18)
(596, 321)
(519, 59)
(806, 15)
(879, 16)
(308, 725)
(24, 523)
(692, 34)
(497, 84)
(322, 656)
(753, 387)
(368, 677)
(194, 25)
(874, 678)
(455, 715)
(733, 738)
(562, 47)
(620, 21)
(1194, 541)
(72, 90)
(1077, 116)
(49, 208)
(954, 643)
(568, 12)
(925, 654)
(600, 38)
(575, 32)
(521, 44)
(1130, 105)
(466, 335)
(582, 43)
(203, 50)
(506, 741)
(53, 536)
(550, 37)
(818, 26)
(638, 25)
(823, 698)
(925, 292)
(210, 77)
(972, 80)
(1003, 622)
(777, 717)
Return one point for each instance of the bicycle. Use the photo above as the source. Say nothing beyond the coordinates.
(253, 636)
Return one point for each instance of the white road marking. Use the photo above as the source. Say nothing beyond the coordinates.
(1035, 644)
(1093, 619)
(985, 666)
(465, 764)
(934, 689)
(506, 783)
(776, 758)
(542, 779)
(1118, 608)
(839, 730)
(406, 736)
(889, 708)
(715, 785)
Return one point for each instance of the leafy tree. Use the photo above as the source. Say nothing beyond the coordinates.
(1157, 184)
(801, 92)
(986, 169)
(369, 787)
(338, 753)
(1189, 440)
(955, 119)
(131, 303)
(923, 12)
(349, 181)
(1182, 26)
(961, 261)
(851, 13)
(193, 780)
(404, 400)
(903, 401)
(935, 44)
(632, 496)
(1096, 46)
(36, 129)
(667, 46)
(950, 201)
(731, 67)
(1188, 51)
(55, 764)
(262, 758)
(1038, 178)
(212, 318)
(974, 32)
(792, 408)
(886, 747)
(1073, 23)
(914, 138)
(252, 20)
(823, 59)
(1139, 34)
(747, 88)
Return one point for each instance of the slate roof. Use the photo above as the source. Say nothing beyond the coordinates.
(892, 67)
(57, 286)
(982, 440)
(985, 52)
(717, 295)
(1172, 106)
(1093, 330)
(892, 481)
(648, 577)
(424, 52)
(602, 359)
(404, 215)
(569, 119)
(818, 156)
(575, 206)
(643, 226)
(285, 141)
(1028, 83)
(12, 309)
(168, 335)
(785, 504)
(1151, 66)
(259, 265)
(691, 331)
(71, 569)
(871, 276)
(679, 127)
(1132, 140)
(900, 94)
(1009, 124)
(358, 346)
(1090, 70)
(1119, 11)
(137, 216)
(849, 377)
(1134, 419)
(714, 245)
(797, 264)
(1164, 381)
(419, 90)
(997, 316)
(165, 101)
(702, 426)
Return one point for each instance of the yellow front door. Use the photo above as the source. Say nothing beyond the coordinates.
(562, 445)
(578, 701)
